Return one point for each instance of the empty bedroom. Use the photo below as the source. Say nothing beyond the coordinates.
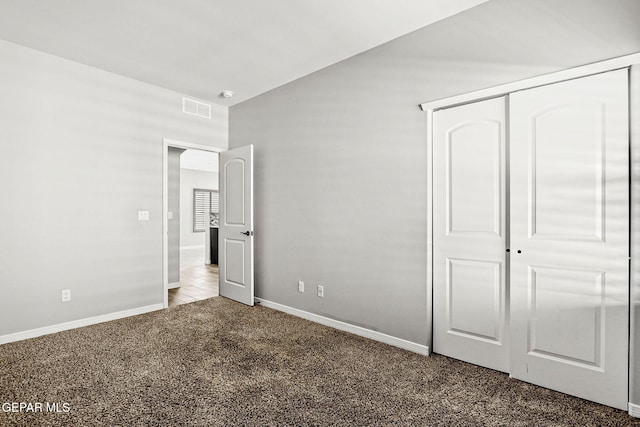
(293, 212)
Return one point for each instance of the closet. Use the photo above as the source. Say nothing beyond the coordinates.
(531, 235)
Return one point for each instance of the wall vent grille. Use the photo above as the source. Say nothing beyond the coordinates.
(196, 108)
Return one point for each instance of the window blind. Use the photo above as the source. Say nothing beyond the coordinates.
(204, 202)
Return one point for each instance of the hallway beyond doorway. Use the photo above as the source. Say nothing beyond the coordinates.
(198, 280)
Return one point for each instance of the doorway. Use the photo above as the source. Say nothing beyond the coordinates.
(190, 182)
(196, 197)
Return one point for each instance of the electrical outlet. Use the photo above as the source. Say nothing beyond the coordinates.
(66, 295)
(321, 291)
(300, 286)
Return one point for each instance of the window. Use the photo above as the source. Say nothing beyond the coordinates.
(205, 203)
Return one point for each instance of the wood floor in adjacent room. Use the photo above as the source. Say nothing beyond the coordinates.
(198, 280)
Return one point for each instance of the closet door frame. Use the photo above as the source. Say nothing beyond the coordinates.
(631, 62)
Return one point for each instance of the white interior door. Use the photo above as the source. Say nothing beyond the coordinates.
(236, 225)
(469, 271)
(569, 237)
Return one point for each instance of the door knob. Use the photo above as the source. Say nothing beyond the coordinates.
(247, 233)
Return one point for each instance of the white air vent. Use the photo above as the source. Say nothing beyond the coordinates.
(196, 108)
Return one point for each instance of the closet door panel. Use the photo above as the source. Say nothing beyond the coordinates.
(470, 294)
(569, 237)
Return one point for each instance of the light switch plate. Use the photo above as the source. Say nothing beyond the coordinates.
(169, 215)
(143, 215)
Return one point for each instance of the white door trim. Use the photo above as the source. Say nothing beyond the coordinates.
(166, 143)
(500, 90)
(634, 333)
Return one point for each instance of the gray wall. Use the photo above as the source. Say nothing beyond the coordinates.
(190, 179)
(173, 201)
(81, 154)
(340, 155)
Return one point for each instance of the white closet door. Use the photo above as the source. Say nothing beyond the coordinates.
(470, 294)
(570, 220)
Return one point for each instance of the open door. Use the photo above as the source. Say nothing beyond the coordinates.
(236, 225)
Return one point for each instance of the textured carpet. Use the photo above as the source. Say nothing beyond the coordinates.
(219, 363)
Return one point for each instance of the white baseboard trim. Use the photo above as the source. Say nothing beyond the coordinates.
(173, 285)
(634, 410)
(193, 247)
(347, 327)
(32, 333)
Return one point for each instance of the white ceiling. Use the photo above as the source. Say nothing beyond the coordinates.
(199, 160)
(202, 47)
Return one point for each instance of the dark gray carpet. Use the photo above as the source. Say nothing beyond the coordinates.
(219, 363)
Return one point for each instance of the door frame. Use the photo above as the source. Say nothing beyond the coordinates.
(166, 143)
(631, 62)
